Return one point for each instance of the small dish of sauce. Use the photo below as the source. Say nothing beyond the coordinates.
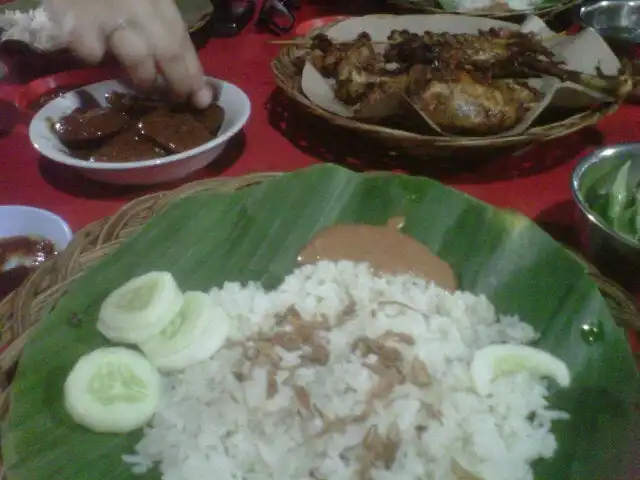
(20, 256)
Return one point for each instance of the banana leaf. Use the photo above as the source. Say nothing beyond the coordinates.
(256, 233)
(192, 10)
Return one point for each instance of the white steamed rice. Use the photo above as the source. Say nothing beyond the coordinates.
(210, 425)
(33, 27)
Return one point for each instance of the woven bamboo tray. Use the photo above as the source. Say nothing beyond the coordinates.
(24, 308)
(432, 6)
(287, 68)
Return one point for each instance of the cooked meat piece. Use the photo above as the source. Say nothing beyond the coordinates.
(479, 53)
(81, 128)
(175, 132)
(386, 85)
(354, 85)
(407, 48)
(321, 42)
(357, 73)
(519, 92)
(467, 107)
(131, 104)
(87, 100)
(128, 146)
(211, 117)
(329, 59)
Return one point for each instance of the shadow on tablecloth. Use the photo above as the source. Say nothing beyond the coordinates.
(559, 221)
(316, 137)
(72, 182)
(349, 7)
(563, 221)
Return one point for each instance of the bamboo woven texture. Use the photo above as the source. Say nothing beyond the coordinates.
(21, 311)
(287, 68)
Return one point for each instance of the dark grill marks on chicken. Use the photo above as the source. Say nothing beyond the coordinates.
(467, 84)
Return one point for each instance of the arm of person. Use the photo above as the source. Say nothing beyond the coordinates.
(148, 37)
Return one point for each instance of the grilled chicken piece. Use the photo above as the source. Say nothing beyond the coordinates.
(327, 56)
(357, 73)
(467, 51)
(519, 92)
(468, 107)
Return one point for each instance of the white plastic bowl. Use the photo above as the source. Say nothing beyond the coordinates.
(234, 101)
(21, 220)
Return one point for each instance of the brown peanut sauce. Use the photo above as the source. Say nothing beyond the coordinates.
(385, 248)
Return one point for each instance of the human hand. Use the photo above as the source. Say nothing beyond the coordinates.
(146, 36)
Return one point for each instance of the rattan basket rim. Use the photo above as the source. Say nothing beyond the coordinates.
(287, 77)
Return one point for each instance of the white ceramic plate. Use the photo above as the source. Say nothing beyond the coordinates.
(234, 101)
(30, 221)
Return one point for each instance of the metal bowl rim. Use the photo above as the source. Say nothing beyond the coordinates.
(584, 164)
(596, 5)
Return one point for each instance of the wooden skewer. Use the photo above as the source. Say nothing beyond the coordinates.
(303, 43)
(306, 42)
(554, 35)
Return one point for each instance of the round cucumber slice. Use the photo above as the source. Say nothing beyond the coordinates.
(140, 308)
(112, 390)
(198, 330)
(496, 360)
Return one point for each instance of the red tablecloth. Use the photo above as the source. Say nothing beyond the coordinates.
(279, 138)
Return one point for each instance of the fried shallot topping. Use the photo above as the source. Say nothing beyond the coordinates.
(307, 340)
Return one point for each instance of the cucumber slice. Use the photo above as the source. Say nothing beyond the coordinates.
(112, 390)
(497, 360)
(618, 196)
(198, 330)
(140, 308)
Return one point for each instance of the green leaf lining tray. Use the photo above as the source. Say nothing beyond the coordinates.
(215, 231)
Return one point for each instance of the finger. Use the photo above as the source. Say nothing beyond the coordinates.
(144, 74)
(181, 67)
(130, 48)
(82, 37)
(176, 55)
(203, 97)
(87, 43)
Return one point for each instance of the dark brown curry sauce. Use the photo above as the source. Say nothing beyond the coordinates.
(134, 128)
(385, 248)
(19, 257)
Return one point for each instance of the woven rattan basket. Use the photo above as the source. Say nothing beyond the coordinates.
(432, 6)
(24, 308)
(287, 68)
